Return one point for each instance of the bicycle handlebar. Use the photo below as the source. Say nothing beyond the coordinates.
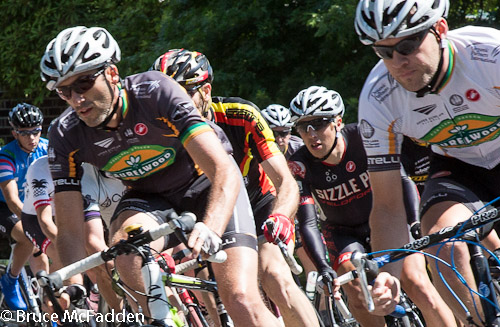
(176, 224)
(290, 260)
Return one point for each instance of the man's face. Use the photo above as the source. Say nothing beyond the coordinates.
(415, 70)
(318, 134)
(282, 136)
(94, 104)
(28, 137)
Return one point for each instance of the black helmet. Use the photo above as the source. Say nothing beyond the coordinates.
(25, 115)
(190, 69)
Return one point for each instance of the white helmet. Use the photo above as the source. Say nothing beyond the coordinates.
(381, 19)
(75, 50)
(277, 116)
(317, 101)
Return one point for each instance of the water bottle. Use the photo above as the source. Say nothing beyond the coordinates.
(311, 284)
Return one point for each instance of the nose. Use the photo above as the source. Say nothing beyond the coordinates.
(398, 59)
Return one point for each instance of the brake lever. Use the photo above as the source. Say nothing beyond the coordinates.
(358, 260)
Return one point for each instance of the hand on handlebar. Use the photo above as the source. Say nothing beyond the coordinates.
(327, 280)
(385, 293)
(203, 238)
(284, 229)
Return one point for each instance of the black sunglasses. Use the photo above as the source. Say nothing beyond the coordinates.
(316, 124)
(405, 47)
(282, 133)
(80, 86)
(28, 132)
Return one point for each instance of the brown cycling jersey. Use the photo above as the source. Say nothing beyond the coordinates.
(146, 150)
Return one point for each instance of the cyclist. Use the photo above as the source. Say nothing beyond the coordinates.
(279, 120)
(263, 167)
(331, 169)
(145, 131)
(440, 87)
(100, 196)
(15, 157)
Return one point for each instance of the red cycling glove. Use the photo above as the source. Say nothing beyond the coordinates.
(284, 229)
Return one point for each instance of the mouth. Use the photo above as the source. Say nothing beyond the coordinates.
(84, 111)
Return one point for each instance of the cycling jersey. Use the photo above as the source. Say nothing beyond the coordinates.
(252, 141)
(341, 190)
(39, 192)
(294, 144)
(14, 163)
(145, 151)
(460, 121)
(101, 194)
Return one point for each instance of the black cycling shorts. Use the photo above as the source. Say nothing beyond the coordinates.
(240, 230)
(7, 220)
(341, 241)
(34, 232)
(451, 179)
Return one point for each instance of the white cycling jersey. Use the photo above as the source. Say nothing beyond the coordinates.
(101, 193)
(461, 121)
(39, 186)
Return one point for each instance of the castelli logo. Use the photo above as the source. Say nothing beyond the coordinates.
(350, 166)
(472, 95)
(140, 129)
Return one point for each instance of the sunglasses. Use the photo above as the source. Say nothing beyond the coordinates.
(80, 86)
(316, 124)
(29, 131)
(282, 133)
(405, 47)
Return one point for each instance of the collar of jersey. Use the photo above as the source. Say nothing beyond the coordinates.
(449, 71)
(124, 96)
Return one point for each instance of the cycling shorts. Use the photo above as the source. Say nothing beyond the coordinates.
(34, 232)
(341, 241)
(7, 219)
(240, 230)
(451, 179)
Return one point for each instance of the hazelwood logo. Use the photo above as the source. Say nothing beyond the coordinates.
(464, 131)
(140, 161)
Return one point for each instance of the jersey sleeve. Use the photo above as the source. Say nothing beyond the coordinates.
(377, 124)
(64, 162)
(37, 186)
(262, 140)
(177, 110)
(90, 191)
(7, 166)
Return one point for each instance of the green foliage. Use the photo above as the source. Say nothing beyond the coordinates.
(263, 50)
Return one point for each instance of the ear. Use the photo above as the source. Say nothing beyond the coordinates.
(441, 27)
(14, 134)
(113, 72)
(207, 91)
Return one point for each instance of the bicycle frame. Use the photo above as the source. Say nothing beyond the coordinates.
(367, 263)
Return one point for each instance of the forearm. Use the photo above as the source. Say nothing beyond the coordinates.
(222, 198)
(311, 236)
(46, 222)
(389, 231)
(287, 198)
(11, 195)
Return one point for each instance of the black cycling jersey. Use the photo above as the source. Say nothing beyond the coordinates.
(415, 159)
(294, 144)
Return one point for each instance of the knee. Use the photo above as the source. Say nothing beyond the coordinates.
(275, 279)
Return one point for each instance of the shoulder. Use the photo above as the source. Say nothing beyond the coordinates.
(143, 85)
(39, 169)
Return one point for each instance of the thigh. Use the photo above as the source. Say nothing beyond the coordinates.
(7, 220)
(341, 242)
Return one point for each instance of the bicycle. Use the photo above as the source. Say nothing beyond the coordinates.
(162, 313)
(367, 266)
(30, 291)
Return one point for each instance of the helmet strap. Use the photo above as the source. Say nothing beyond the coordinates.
(428, 89)
(337, 135)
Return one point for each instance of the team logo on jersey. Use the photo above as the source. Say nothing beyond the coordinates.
(472, 95)
(39, 187)
(51, 154)
(128, 133)
(140, 161)
(464, 131)
(297, 168)
(140, 129)
(350, 166)
(481, 52)
(456, 100)
(366, 129)
(144, 89)
(426, 110)
(383, 88)
(330, 177)
(105, 143)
